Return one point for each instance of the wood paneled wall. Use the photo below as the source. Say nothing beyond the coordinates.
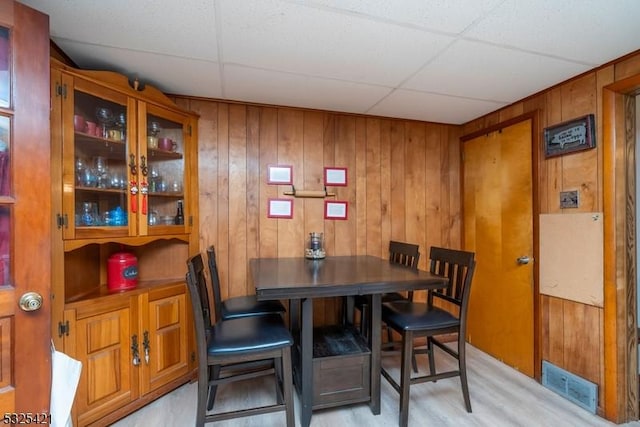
(571, 333)
(403, 184)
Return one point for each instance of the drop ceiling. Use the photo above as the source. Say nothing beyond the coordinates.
(446, 61)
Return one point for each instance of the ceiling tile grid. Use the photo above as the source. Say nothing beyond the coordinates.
(447, 61)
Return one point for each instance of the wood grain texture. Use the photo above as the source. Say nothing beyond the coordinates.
(402, 184)
(594, 174)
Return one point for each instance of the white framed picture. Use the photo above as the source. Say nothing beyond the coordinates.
(280, 208)
(335, 177)
(280, 174)
(335, 210)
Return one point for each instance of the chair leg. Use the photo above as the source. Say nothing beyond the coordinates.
(287, 386)
(277, 367)
(431, 356)
(462, 366)
(203, 389)
(364, 321)
(405, 377)
(214, 374)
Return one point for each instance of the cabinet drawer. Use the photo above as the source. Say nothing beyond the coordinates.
(341, 367)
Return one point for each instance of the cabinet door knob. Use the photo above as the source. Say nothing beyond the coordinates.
(30, 301)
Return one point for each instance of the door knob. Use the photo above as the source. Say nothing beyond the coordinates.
(523, 260)
(30, 301)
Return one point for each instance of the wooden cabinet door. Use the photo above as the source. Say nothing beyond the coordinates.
(25, 221)
(103, 336)
(166, 333)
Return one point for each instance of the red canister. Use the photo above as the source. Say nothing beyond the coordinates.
(122, 271)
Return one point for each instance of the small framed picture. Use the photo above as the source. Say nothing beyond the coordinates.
(570, 136)
(280, 174)
(280, 208)
(335, 210)
(335, 177)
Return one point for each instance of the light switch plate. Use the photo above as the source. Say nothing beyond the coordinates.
(569, 199)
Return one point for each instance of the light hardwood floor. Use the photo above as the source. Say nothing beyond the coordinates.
(500, 396)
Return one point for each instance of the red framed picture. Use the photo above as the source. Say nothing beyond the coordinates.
(336, 177)
(280, 174)
(335, 209)
(280, 208)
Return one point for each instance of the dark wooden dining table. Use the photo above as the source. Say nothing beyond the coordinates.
(301, 280)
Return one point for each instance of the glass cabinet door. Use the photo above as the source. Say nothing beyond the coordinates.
(103, 197)
(164, 178)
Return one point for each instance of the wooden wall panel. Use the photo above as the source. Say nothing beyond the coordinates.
(268, 230)
(571, 333)
(415, 182)
(403, 184)
(237, 208)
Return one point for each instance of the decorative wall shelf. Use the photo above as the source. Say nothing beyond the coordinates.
(319, 194)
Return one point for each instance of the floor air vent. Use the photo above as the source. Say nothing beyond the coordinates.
(576, 389)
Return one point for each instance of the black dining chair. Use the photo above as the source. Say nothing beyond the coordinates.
(427, 319)
(227, 348)
(401, 253)
(241, 306)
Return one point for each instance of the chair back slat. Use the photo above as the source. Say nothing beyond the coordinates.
(215, 282)
(458, 266)
(200, 319)
(195, 269)
(406, 254)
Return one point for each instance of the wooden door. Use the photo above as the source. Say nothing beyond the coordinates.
(25, 212)
(498, 226)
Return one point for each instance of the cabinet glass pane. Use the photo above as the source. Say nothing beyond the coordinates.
(165, 147)
(101, 180)
(5, 77)
(5, 245)
(5, 156)
(5, 211)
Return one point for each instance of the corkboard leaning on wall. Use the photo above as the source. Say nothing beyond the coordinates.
(571, 257)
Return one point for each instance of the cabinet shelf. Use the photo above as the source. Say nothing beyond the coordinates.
(158, 154)
(93, 146)
(101, 190)
(169, 194)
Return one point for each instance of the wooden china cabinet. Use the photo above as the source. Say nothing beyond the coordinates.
(124, 179)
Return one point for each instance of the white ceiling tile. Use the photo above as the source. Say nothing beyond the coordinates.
(167, 73)
(478, 70)
(161, 26)
(438, 15)
(435, 60)
(284, 89)
(288, 37)
(591, 31)
(432, 107)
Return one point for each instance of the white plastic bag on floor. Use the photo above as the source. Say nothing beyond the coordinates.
(65, 375)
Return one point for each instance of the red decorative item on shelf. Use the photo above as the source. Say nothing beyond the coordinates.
(122, 271)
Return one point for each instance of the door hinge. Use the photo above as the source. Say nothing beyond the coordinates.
(62, 221)
(63, 329)
(61, 90)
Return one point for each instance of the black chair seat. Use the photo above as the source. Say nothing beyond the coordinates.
(237, 350)
(245, 306)
(248, 334)
(407, 316)
(425, 319)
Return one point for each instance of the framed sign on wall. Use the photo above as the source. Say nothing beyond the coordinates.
(570, 136)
